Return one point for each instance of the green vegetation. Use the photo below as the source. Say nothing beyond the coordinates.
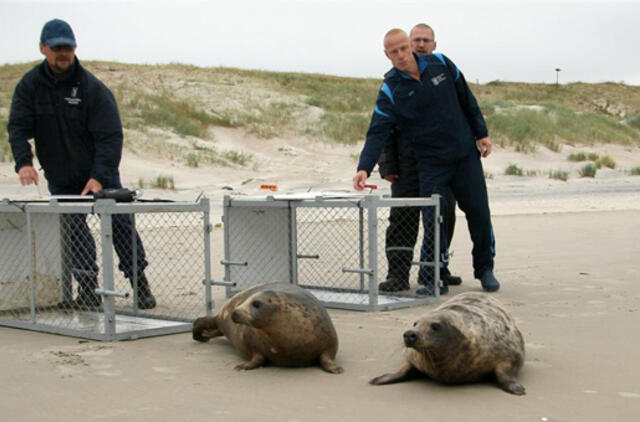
(347, 128)
(513, 170)
(5, 147)
(330, 93)
(577, 156)
(606, 161)
(635, 171)
(559, 175)
(583, 156)
(193, 160)
(163, 182)
(589, 170)
(634, 121)
(240, 158)
(190, 101)
(181, 116)
(550, 125)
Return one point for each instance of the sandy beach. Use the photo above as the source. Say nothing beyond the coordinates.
(567, 256)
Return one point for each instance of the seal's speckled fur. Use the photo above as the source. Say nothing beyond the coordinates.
(463, 340)
(276, 323)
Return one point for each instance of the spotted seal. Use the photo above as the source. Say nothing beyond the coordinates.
(463, 340)
(277, 323)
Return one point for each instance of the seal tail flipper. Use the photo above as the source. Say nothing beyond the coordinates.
(406, 372)
(256, 361)
(205, 328)
(328, 363)
(506, 377)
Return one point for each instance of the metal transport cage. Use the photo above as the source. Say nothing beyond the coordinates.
(332, 245)
(51, 250)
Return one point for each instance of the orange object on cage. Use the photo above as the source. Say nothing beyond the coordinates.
(269, 187)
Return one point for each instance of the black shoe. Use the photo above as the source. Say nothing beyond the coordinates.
(145, 297)
(393, 285)
(429, 290)
(85, 301)
(489, 281)
(451, 280)
(146, 301)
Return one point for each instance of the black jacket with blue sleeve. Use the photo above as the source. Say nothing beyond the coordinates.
(437, 116)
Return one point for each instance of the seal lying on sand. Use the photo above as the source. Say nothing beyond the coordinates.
(463, 340)
(278, 323)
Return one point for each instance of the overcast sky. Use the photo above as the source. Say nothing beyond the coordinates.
(511, 41)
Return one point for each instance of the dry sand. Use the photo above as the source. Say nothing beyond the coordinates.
(568, 259)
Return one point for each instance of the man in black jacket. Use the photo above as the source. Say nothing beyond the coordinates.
(73, 118)
(428, 99)
(397, 165)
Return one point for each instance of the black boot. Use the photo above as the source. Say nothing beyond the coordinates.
(87, 299)
(393, 285)
(145, 297)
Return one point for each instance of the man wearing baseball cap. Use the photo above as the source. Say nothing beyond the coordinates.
(73, 118)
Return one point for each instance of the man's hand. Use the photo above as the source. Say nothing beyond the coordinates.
(28, 175)
(484, 146)
(391, 177)
(359, 179)
(92, 186)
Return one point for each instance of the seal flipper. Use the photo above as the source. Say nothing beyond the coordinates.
(407, 372)
(256, 361)
(506, 377)
(205, 328)
(328, 363)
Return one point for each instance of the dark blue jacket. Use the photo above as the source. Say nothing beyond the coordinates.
(93, 144)
(438, 116)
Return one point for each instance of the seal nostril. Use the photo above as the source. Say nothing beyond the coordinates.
(234, 316)
(410, 337)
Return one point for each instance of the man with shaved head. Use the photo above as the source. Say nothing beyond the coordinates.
(397, 165)
(429, 101)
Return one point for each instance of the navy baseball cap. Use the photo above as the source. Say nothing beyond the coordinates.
(57, 32)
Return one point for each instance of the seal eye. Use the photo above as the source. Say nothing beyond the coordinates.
(415, 323)
(436, 326)
(256, 304)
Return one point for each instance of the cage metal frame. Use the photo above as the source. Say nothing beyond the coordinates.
(105, 209)
(368, 269)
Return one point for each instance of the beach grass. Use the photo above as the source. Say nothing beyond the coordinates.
(513, 170)
(190, 101)
(588, 170)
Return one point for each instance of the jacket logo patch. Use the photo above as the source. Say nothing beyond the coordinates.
(73, 99)
(437, 79)
(410, 93)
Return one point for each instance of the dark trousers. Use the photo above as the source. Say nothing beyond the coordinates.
(466, 179)
(402, 231)
(81, 245)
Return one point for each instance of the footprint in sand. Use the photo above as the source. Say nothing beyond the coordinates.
(534, 346)
(166, 370)
(629, 395)
(115, 373)
(537, 364)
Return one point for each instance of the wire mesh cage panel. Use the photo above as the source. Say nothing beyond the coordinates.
(102, 270)
(339, 247)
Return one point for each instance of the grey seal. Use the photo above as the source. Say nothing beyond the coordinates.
(276, 323)
(467, 338)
